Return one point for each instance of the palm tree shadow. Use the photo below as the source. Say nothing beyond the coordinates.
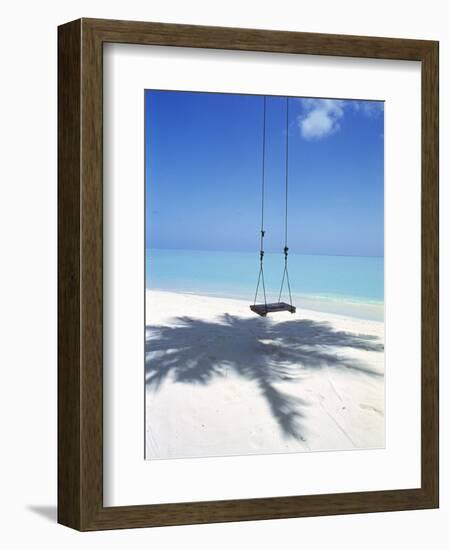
(195, 351)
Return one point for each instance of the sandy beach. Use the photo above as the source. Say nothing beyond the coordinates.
(223, 381)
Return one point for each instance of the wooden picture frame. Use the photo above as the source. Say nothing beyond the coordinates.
(80, 271)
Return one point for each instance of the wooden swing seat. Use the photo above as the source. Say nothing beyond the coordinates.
(264, 309)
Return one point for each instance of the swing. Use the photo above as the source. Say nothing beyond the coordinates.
(265, 308)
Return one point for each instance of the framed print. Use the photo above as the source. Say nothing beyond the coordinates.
(248, 274)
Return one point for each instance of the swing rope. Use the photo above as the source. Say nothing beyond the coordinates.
(285, 277)
(286, 249)
(262, 231)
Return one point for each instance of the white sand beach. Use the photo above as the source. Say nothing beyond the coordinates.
(221, 380)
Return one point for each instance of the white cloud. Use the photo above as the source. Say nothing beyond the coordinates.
(370, 108)
(320, 117)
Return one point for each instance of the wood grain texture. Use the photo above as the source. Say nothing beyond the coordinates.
(430, 273)
(91, 267)
(69, 243)
(80, 264)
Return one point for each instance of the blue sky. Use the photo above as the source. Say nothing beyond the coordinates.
(203, 173)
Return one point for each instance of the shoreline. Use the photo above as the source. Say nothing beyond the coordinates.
(368, 310)
(348, 285)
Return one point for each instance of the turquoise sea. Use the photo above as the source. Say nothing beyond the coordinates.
(346, 285)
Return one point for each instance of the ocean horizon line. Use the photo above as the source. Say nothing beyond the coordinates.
(224, 251)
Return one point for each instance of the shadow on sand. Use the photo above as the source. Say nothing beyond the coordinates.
(195, 351)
